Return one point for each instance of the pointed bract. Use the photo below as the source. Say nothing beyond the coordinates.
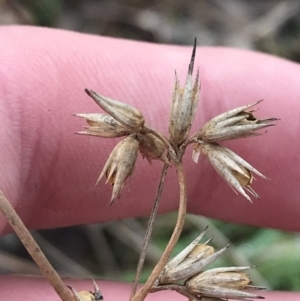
(184, 105)
(232, 168)
(97, 293)
(233, 124)
(127, 115)
(228, 283)
(120, 164)
(189, 262)
(103, 125)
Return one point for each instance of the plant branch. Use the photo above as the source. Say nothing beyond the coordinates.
(149, 230)
(142, 293)
(33, 249)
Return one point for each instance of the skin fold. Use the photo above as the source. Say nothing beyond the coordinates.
(48, 173)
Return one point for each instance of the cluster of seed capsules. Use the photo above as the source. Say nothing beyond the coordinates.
(123, 120)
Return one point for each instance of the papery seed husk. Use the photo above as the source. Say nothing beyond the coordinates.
(189, 267)
(209, 250)
(218, 284)
(184, 104)
(220, 292)
(152, 148)
(82, 295)
(242, 162)
(127, 115)
(86, 296)
(232, 280)
(184, 253)
(103, 125)
(196, 152)
(234, 112)
(232, 168)
(120, 164)
(215, 271)
(222, 169)
(184, 108)
(232, 132)
(233, 124)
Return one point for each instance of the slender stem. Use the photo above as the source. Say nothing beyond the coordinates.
(142, 293)
(149, 230)
(33, 249)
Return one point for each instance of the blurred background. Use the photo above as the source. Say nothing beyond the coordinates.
(111, 250)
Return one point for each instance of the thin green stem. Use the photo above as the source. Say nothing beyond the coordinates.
(142, 293)
(149, 230)
(33, 249)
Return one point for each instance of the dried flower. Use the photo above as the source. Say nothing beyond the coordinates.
(228, 283)
(189, 262)
(87, 296)
(234, 124)
(232, 168)
(103, 125)
(127, 115)
(152, 148)
(184, 104)
(120, 164)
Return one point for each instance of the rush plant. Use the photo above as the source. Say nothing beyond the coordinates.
(187, 272)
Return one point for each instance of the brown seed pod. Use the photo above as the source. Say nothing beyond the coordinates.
(228, 283)
(184, 105)
(120, 164)
(234, 124)
(152, 148)
(189, 262)
(103, 125)
(127, 115)
(231, 167)
(88, 296)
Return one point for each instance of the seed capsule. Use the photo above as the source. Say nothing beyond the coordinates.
(234, 124)
(87, 296)
(120, 164)
(232, 168)
(127, 115)
(103, 125)
(152, 148)
(189, 262)
(184, 104)
(228, 283)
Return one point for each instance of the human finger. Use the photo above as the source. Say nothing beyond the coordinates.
(49, 173)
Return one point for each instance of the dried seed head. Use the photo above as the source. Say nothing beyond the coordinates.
(103, 125)
(184, 104)
(127, 115)
(189, 262)
(234, 124)
(152, 148)
(228, 283)
(232, 168)
(87, 296)
(120, 164)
